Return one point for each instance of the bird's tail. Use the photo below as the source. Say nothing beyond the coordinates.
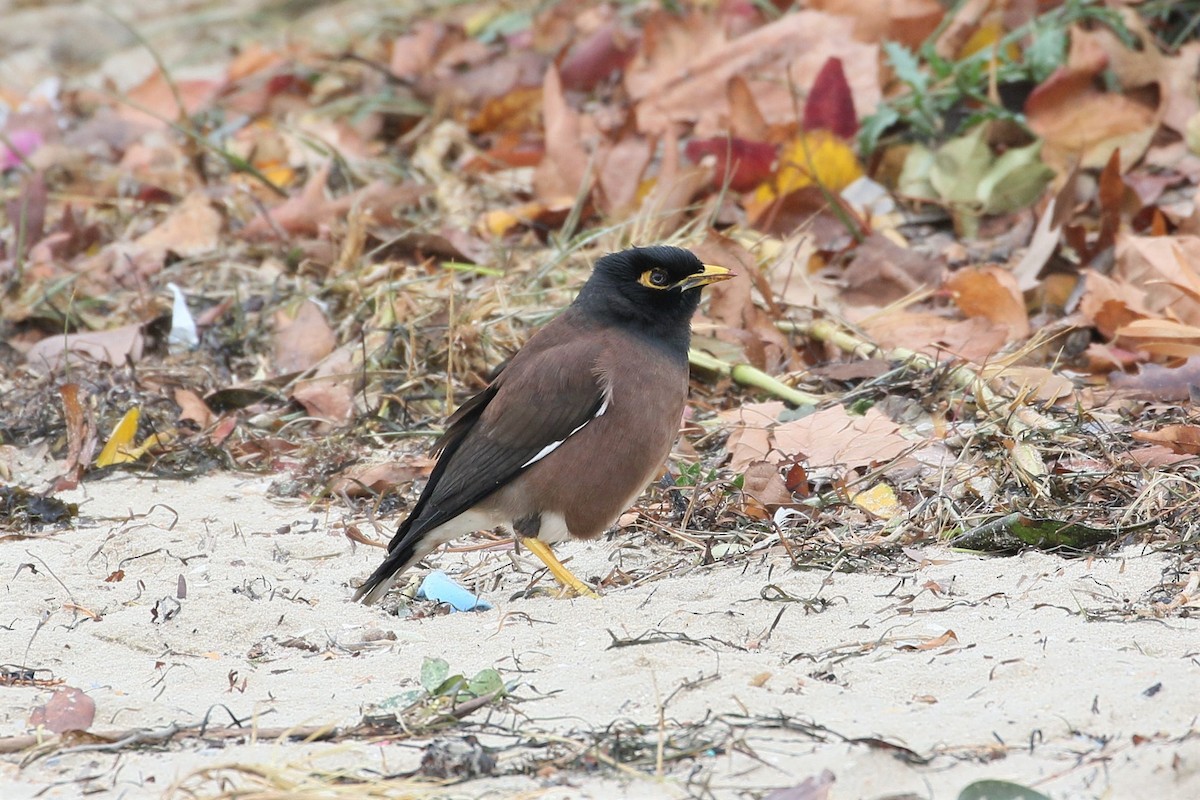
(405, 552)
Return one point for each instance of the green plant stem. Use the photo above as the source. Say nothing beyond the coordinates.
(751, 376)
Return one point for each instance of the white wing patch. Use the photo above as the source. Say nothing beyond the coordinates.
(550, 448)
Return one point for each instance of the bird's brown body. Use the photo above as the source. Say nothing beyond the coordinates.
(626, 451)
(575, 425)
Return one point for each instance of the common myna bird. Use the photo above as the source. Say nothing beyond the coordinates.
(574, 427)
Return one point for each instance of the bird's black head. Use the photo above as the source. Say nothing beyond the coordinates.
(654, 288)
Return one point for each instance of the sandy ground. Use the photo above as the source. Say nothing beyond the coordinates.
(1058, 674)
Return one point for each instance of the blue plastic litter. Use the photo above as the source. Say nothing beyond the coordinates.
(439, 587)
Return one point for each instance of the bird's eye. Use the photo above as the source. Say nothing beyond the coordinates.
(655, 278)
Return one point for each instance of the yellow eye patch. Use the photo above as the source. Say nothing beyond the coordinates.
(655, 279)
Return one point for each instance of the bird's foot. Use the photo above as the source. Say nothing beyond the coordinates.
(571, 586)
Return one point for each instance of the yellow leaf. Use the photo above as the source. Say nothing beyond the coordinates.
(880, 501)
(987, 35)
(277, 173)
(502, 220)
(519, 110)
(116, 450)
(814, 158)
(153, 440)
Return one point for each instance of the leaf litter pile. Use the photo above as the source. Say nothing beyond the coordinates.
(967, 308)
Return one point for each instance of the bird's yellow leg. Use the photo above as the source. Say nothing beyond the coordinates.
(560, 572)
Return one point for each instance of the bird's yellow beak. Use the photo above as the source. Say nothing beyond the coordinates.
(710, 274)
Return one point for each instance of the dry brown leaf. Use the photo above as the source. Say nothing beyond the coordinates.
(1161, 268)
(81, 437)
(114, 346)
(563, 169)
(1183, 439)
(833, 437)
(909, 22)
(301, 341)
(731, 305)
(310, 210)
(934, 643)
(414, 54)
(192, 228)
(749, 432)
(1039, 383)
(153, 102)
(329, 394)
(516, 112)
(69, 709)
(685, 64)
(1081, 125)
(364, 480)
(1110, 305)
(622, 167)
(882, 272)
(973, 340)
(1158, 382)
(1174, 75)
(664, 208)
(763, 485)
(1154, 456)
(193, 408)
(1160, 337)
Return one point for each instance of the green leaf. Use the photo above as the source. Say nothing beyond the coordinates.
(1046, 51)
(958, 167)
(486, 681)
(907, 67)
(433, 673)
(450, 687)
(506, 24)
(1015, 531)
(400, 701)
(914, 175)
(873, 127)
(1018, 189)
(1014, 181)
(999, 790)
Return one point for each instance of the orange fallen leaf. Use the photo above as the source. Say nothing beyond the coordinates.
(934, 643)
(992, 293)
(1082, 126)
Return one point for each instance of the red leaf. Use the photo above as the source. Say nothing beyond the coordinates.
(830, 105)
(589, 62)
(745, 164)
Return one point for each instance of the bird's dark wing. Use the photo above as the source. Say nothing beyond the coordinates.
(534, 405)
(545, 394)
(548, 391)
